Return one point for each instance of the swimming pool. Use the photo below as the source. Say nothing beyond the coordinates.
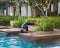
(23, 42)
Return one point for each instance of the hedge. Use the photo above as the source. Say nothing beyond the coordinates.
(5, 20)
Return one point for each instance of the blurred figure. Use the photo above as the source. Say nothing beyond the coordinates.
(24, 27)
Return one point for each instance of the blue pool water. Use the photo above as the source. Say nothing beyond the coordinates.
(22, 42)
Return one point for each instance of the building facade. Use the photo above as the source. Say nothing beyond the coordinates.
(25, 10)
(11, 9)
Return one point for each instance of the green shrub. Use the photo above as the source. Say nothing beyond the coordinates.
(4, 22)
(45, 24)
(57, 22)
(32, 19)
(18, 23)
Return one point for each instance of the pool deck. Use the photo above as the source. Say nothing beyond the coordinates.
(35, 35)
(9, 29)
(42, 34)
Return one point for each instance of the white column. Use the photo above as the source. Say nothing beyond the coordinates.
(4, 12)
(8, 10)
(52, 10)
(11, 10)
(29, 10)
(59, 8)
(24, 10)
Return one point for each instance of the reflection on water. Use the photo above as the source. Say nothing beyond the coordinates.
(23, 42)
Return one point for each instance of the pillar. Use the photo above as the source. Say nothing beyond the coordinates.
(11, 11)
(6, 8)
(29, 10)
(58, 7)
(24, 10)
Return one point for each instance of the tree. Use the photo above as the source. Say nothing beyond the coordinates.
(42, 5)
(18, 4)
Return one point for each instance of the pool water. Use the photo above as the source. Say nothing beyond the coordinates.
(21, 42)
